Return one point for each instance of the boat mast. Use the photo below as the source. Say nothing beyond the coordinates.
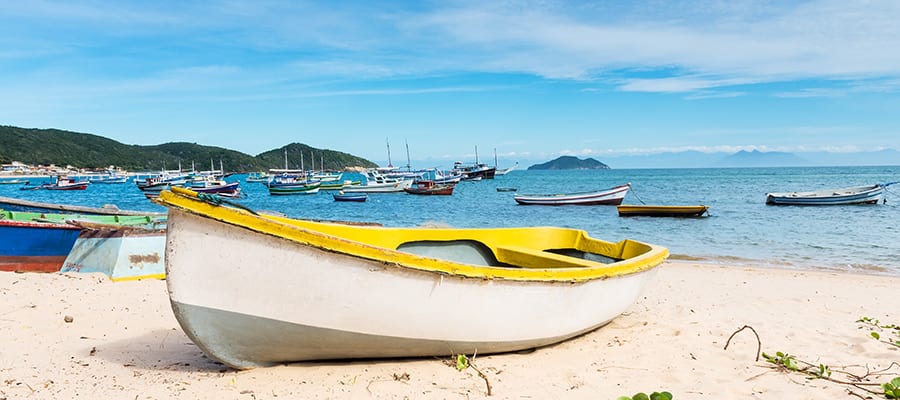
(408, 167)
(495, 157)
(285, 159)
(476, 154)
(389, 152)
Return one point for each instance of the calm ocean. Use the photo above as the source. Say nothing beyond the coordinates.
(741, 229)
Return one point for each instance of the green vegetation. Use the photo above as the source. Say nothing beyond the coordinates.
(84, 150)
(865, 382)
(569, 162)
(651, 396)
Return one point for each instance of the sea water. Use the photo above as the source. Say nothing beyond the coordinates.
(740, 230)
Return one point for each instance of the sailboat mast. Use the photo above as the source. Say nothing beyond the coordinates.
(495, 157)
(408, 167)
(285, 159)
(476, 154)
(389, 152)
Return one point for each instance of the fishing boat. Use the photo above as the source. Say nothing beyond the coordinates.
(379, 183)
(258, 177)
(427, 187)
(474, 172)
(123, 252)
(612, 196)
(217, 186)
(306, 290)
(868, 194)
(685, 211)
(11, 204)
(352, 197)
(288, 184)
(13, 182)
(40, 242)
(60, 183)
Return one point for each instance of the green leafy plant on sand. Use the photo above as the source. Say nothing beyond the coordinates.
(463, 362)
(867, 382)
(651, 396)
(876, 329)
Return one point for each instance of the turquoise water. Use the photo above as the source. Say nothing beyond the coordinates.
(740, 230)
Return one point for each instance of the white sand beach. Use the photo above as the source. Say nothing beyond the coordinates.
(123, 343)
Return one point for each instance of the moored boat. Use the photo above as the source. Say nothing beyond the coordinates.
(379, 183)
(427, 187)
(662, 211)
(612, 196)
(305, 290)
(12, 204)
(352, 197)
(868, 194)
(60, 183)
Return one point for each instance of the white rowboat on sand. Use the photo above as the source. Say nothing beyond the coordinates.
(256, 290)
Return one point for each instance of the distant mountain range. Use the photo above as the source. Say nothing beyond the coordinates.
(570, 162)
(84, 150)
(696, 159)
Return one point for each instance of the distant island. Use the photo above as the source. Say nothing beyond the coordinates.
(569, 162)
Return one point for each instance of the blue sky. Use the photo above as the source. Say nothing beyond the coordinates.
(533, 79)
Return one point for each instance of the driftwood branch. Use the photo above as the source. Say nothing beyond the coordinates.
(758, 342)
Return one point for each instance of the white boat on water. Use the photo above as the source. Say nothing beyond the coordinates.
(612, 196)
(257, 290)
(868, 194)
(379, 183)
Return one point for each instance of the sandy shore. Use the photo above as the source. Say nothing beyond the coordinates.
(124, 343)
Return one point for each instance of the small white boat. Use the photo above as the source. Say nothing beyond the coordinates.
(377, 182)
(256, 290)
(612, 196)
(869, 194)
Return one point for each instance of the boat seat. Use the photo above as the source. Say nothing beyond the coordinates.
(533, 258)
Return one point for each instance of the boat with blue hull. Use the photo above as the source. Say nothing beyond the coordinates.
(40, 242)
(351, 197)
(35, 246)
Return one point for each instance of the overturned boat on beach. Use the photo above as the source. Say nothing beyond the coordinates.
(255, 290)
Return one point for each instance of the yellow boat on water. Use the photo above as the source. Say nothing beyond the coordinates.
(255, 290)
(662, 211)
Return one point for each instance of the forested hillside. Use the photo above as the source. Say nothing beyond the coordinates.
(84, 150)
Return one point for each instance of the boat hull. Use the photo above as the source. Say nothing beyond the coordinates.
(357, 197)
(122, 254)
(870, 194)
(11, 204)
(612, 196)
(255, 290)
(662, 211)
(35, 246)
(373, 316)
(395, 187)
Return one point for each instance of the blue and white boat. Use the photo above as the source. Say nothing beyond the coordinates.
(868, 194)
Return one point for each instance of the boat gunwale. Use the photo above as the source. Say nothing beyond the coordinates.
(572, 196)
(654, 255)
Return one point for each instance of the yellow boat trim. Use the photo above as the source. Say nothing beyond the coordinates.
(520, 247)
(139, 277)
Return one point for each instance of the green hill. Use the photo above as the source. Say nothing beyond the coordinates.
(84, 150)
(569, 162)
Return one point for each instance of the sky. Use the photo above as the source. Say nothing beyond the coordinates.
(531, 80)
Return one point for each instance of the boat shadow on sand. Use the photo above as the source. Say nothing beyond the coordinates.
(156, 350)
(171, 350)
